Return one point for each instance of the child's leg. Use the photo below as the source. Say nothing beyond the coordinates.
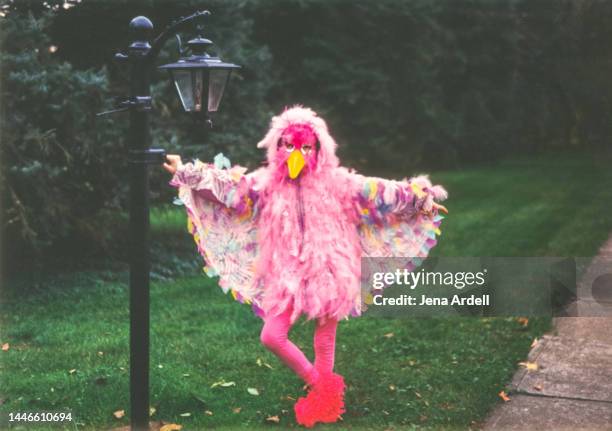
(274, 337)
(325, 345)
(325, 402)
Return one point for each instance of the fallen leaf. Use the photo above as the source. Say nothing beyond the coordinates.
(185, 415)
(171, 427)
(160, 366)
(389, 335)
(392, 387)
(223, 384)
(152, 411)
(523, 321)
(263, 364)
(530, 366)
(537, 387)
(119, 414)
(100, 353)
(5, 347)
(274, 419)
(253, 391)
(208, 412)
(504, 396)
(185, 375)
(72, 371)
(534, 342)
(418, 395)
(287, 398)
(237, 409)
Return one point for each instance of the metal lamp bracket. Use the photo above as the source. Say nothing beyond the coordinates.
(150, 156)
(138, 103)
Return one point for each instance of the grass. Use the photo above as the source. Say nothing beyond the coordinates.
(402, 373)
(549, 206)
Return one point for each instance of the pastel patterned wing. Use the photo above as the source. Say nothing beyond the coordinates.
(227, 240)
(391, 228)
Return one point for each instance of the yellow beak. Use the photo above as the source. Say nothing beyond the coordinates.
(295, 163)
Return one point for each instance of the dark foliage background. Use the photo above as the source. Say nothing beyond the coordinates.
(404, 85)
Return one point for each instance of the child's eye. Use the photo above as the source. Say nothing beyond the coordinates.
(306, 149)
(289, 147)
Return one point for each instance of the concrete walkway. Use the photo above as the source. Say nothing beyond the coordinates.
(572, 387)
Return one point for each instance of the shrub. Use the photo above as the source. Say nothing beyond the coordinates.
(59, 162)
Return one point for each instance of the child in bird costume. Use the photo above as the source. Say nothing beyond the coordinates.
(288, 238)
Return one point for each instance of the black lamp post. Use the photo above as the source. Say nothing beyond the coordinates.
(200, 81)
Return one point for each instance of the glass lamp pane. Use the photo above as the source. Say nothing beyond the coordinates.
(199, 79)
(184, 86)
(216, 86)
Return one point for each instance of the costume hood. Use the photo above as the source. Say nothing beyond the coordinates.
(326, 156)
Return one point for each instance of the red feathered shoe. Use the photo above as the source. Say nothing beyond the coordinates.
(324, 403)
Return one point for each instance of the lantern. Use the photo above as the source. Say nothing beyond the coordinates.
(200, 79)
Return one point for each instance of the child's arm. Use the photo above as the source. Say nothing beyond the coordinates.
(379, 197)
(229, 187)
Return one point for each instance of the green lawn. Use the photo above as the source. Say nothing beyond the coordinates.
(68, 334)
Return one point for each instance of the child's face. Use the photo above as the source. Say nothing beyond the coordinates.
(297, 150)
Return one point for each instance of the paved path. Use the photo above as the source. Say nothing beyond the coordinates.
(572, 387)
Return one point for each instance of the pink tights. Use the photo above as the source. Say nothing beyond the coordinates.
(274, 338)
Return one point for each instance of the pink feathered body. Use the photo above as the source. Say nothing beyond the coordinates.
(309, 245)
(307, 235)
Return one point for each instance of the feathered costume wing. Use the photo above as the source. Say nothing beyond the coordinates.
(405, 235)
(223, 228)
(223, 205)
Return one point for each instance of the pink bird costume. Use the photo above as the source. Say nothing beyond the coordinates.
(289, 237)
